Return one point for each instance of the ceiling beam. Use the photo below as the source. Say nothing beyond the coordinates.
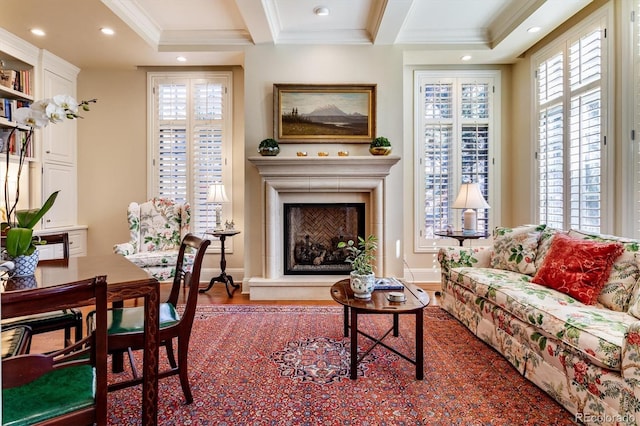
(386, 21)
(261, 21)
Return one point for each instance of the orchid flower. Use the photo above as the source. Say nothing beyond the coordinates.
(38, 115)
(30, 117)
(68, 103)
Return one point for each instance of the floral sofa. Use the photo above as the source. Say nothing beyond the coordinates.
(563, 307)
(156, 228)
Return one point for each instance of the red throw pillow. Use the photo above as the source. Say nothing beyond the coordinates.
(577, 267)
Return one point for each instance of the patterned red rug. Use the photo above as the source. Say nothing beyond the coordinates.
(289, 365)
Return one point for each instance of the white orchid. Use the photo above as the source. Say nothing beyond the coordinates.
(38, 115)
(68, 103)
(31, 117)
(54, 110)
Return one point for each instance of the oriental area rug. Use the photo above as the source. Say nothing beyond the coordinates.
(289, 365)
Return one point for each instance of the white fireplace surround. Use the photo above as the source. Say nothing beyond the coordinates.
(359, 179)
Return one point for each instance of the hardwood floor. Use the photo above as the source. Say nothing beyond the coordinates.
(217, 295)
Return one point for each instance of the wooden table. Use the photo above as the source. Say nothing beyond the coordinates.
(416, 300)
(224, 278)
(462, 236)
(124, 281)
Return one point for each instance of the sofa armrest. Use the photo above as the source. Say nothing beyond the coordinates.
(454, 257)
(124, 249)
(630, 368)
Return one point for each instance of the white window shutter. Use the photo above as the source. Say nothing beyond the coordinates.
(192, 141)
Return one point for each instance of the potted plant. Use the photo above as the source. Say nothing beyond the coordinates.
(380, 146)
(20, 245)
(18, 226)
(361, 257)
(268, 146)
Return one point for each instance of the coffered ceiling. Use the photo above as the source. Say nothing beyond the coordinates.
(155, 32)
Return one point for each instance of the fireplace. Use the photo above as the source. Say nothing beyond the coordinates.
(312, 232)
(321, 180)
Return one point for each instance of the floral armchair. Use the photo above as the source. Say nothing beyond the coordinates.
(157, 228)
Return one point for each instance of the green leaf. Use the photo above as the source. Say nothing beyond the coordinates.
(30, 218)
(18, 242)
(542, 343)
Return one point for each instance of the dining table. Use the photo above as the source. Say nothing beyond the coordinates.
(125, 281)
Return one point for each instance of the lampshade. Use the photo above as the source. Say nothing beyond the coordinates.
(470, 197)
(216, 194)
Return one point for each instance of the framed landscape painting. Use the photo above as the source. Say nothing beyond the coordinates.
(324, 113)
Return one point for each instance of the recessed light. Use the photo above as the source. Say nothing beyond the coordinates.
(107, 31)
(534, 29)
(38, 32)
(181, 59)
(465, 58)
(321, 11)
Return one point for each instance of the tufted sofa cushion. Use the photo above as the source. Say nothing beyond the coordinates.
(515, 249)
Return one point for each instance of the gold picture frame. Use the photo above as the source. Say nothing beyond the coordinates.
(324, 113)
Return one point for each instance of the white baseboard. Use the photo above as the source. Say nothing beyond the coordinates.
(305, 287)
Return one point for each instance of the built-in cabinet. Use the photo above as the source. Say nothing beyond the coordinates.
(59, 142)
(53, 164)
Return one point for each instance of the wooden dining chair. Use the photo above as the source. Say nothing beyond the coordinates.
(66, 387)
(66, 319)
(125, 324)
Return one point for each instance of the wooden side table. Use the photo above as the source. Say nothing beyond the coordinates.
(227, 280)
(416, 300)
(461, 236)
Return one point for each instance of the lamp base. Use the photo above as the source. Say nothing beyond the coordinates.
(470, 222)
(219, 220)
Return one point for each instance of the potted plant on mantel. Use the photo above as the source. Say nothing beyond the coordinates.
(380, 146)
(20, 246)
(269, 147)
(361, 257)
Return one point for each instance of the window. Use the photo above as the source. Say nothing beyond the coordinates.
(571, 130)
(191, 140)
(455, 133)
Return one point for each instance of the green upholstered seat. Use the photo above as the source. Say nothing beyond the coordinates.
(45, 317)
(15, 340)
(127, 320)
(58, 392)
(48, 321)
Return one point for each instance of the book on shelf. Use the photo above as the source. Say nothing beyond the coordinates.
(388, 283)
(19, 80)
(8, 106)
(13, 139)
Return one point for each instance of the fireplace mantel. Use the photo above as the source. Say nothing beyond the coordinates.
(325, 179)
(378, 166)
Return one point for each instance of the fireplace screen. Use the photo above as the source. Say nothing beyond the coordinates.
(312, 233)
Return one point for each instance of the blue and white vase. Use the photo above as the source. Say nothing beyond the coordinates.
(362, 285)
(25, 265)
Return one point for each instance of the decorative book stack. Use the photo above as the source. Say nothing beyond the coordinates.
(388, 284)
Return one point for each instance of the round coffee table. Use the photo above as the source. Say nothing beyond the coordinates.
(415, 301)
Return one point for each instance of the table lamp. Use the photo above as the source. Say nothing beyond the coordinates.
(470, 198)
(216, 194)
